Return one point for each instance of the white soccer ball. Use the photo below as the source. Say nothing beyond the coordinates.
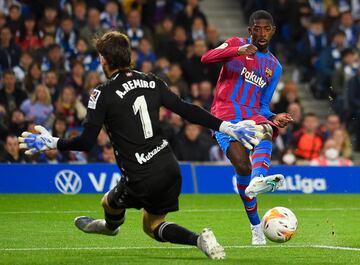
(279, 224)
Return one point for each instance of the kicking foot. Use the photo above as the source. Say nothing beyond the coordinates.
(207, 243)
(258, 237)
(90, 225)
(261, 184)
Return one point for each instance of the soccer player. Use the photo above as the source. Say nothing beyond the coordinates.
(128, 105)
(247, 81)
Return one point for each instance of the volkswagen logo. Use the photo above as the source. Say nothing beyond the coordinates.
(68, 182)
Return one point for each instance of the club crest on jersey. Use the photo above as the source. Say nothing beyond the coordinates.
(268, 72)
(252, 78)
(93, 99)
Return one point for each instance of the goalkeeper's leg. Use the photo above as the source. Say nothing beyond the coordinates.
(108, 226)
(156, 227)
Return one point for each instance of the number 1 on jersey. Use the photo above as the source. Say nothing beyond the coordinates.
(141, 106)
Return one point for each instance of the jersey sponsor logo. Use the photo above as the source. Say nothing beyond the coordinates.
(93, 99)
(132, 84)
(252, 78)
(142, 158)
(222, 46)
(68, 182)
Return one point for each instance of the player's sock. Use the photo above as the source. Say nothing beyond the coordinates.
(249, 204)
(113, 221)
(173, 233)
(261, 158)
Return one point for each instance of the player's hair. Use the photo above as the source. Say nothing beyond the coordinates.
(260, 14)
(115, 48)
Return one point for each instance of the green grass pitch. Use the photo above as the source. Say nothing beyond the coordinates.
(38, 229)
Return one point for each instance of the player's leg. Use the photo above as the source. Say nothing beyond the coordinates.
(261, 158)
(108, 226)
(157, 228)
(239, 158)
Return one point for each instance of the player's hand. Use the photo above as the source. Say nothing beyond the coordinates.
(282, 119)
(246, 132)
(247, 49)
(35, 143)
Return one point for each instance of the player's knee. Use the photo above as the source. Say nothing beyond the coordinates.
(243, 169)
(268, 131)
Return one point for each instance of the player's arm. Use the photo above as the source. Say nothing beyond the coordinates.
(43, 141)
(230, 48)
(246, 131)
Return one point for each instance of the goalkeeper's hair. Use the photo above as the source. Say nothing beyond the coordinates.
(260, 14)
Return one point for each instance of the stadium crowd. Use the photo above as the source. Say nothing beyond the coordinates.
(49, 67)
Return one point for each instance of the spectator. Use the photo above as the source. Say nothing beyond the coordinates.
(79, 14)
(12, 152)
(288, 157)
(176, 51)
(112, 18)
(332, 123)
(343, 143)
(29, 38)
(66, 36)
(330, 156)
(340, 79)
(163, 36)
(92, 27)
(83, 54)
(353, 103)
(217, 155)
(147, 66)
(331, 18)
(212, 37)
(307, 141)
(174, 78)
(70, 107)
(51, 82)
(92, 80)
(39, 108)
(108, 154)
(198, 29)
(32, 78)
(17, 123)
(195, 71)
(40, 54)
(288, 95)
(9, 51)
(11, 97)
(59, 127)
(96, 154)
(21, 69)
(14, 20)
(55, 61)
(3, 127)
(206, 94)
(190, 146)
(329, 61)
(53, 157)
(349, 27)
(76, 78)
(186, 16)
(295, 110)
(135, 30)
(145, 53)
(49, 22)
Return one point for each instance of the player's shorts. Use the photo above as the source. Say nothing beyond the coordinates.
(224, 140)
(157, 192)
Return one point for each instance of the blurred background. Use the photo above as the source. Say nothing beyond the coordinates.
(48, 68)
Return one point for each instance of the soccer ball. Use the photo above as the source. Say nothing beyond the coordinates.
(279, 224)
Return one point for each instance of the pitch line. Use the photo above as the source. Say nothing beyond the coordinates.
(182, 210)
(175, 247)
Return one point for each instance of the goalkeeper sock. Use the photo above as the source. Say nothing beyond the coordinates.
(261, 158)
(173, 233)
(249, 204)
(113, 221)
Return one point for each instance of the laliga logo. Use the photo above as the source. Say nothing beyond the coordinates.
(306, 185)
(68, 182)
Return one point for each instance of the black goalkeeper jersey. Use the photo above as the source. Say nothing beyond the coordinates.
(128, 105)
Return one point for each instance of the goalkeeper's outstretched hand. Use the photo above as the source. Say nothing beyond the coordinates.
(246, 132)
(35, 143)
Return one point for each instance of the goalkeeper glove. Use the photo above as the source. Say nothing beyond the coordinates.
(246, 132)
(35, 143)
